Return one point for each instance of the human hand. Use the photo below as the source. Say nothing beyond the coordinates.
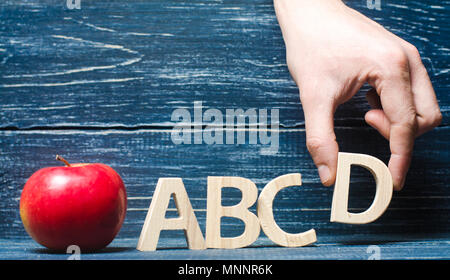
(331, 51)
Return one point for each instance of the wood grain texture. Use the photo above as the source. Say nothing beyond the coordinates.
(131, 63)
(123, 249)
(99, 84)
(143, 157)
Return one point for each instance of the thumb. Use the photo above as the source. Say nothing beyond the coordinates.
(377, 119)
(320, 138)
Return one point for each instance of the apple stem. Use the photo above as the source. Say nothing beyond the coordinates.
(60, 158)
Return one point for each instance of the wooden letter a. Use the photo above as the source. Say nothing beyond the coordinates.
(156, 221)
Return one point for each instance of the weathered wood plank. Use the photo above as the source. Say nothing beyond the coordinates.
(141, 157)
(125, 249)
(131, 63)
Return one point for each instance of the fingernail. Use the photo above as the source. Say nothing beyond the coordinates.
(324, 173)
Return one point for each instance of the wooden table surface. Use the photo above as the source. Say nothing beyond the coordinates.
(100, 84)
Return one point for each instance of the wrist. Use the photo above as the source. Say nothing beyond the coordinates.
(304, 13)
(286, 5)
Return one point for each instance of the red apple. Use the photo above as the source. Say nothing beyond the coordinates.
(77, 204)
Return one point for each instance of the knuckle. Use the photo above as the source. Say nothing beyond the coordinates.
(433, 120)
(410, 120)
(437, 119)
(407, 118)
(394, 55)
(413, 51)
(314, 144)
(394, 64)
(398, 58)
(318, 91)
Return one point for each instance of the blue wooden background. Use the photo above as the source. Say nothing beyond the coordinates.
(99, 84)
